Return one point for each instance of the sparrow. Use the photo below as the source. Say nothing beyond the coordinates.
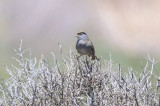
(84, 46)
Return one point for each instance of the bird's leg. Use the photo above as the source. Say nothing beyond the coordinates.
(86, 58)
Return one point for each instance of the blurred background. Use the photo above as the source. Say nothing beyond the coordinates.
(128, 29)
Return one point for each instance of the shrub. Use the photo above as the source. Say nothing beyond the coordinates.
(80, 82)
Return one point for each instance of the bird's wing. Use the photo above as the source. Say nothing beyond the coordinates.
(90, 45)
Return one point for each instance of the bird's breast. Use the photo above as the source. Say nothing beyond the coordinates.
(81, 47)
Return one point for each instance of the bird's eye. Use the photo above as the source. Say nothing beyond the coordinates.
(79, 33)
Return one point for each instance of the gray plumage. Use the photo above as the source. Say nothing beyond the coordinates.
(84, 46)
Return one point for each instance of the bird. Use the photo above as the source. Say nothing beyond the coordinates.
(84, 46)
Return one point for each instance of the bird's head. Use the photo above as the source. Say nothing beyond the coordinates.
(82, 36)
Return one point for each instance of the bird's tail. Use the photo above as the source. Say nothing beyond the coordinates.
(94, 57)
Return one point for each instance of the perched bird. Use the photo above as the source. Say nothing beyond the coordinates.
(84, 46)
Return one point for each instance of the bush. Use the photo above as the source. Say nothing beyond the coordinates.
(80, 82)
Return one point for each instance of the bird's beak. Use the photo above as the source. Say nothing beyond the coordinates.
(76, 35)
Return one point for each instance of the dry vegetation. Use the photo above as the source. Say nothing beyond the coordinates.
(80, 82)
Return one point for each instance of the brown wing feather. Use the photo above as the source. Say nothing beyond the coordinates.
(89, 44)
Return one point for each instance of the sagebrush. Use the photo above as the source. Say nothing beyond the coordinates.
(80, 82)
